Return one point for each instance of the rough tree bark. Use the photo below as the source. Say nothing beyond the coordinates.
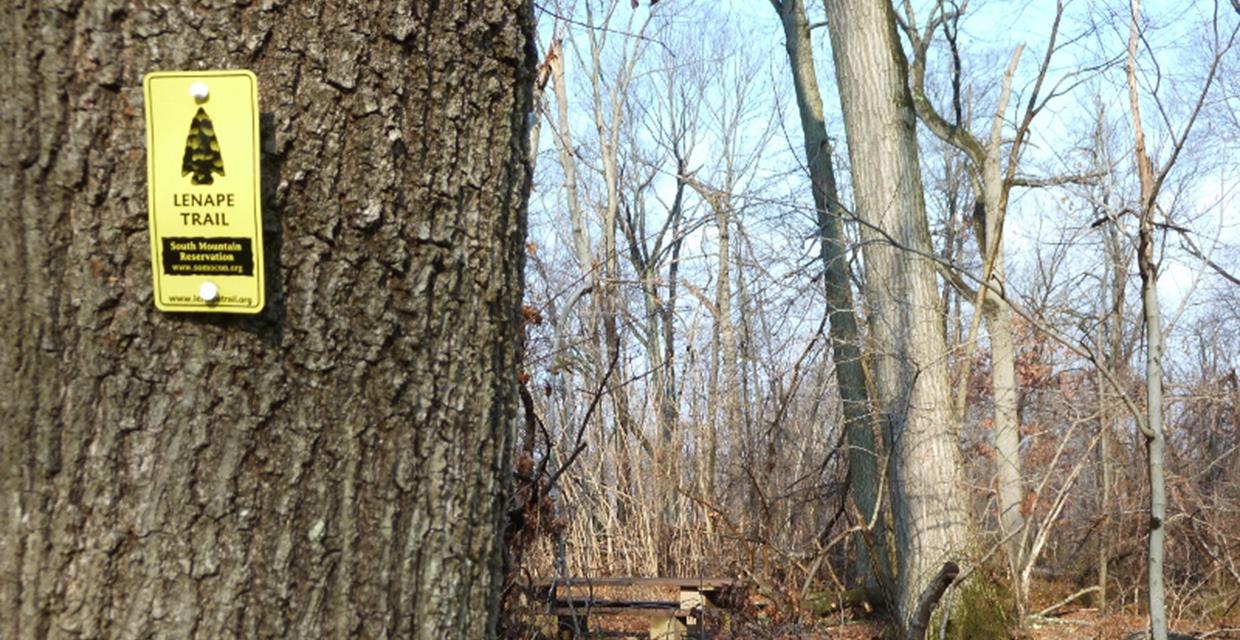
(845, 336)
(992, 180)
(910, 361)
(335, 467)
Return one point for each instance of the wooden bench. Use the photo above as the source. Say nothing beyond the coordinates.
(669, 619)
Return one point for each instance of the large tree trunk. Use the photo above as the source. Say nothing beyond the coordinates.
(335, 467)
(845, 336)
(927, 488)
(991, 185)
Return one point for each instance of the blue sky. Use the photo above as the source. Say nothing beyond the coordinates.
(1207, 173)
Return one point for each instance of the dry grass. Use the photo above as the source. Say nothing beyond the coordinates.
(1089, 624)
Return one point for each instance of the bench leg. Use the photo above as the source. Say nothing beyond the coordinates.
(694, 600)
(667, 628)
(572, 627)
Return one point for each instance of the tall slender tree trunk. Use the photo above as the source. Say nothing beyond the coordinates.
(711, 474)
(845, 336)
(727, 330)
(910, 360)
(600, 319)
(985, 158)
(1117, 361)
(1148, 268)
(335, 467)
(1104, 485)
(1004, 396)
(745, 311)
(1156, 443)
(607, 125)
(669, 408)
(1110, 345)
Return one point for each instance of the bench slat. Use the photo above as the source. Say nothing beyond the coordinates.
(584, 612)
(585, 603)
(699, 583)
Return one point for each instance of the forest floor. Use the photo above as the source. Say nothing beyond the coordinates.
(1084, 624)
(767, 623)
(1081, 625)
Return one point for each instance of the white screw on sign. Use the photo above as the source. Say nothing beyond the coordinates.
(199, 91)
(208, 291)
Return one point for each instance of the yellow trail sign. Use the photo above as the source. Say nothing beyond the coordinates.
(204, 202)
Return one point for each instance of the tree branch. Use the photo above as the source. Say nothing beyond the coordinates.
(1037, 183)
(1193, 250)
(930, 597)
(1082, 592)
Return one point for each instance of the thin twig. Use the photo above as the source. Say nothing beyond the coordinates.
(580, 444)
(1066, 600)
(619, 32)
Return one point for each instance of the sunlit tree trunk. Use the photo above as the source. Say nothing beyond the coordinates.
(992, 182)
(1152, 314)
(910, 359)
(1004, 390)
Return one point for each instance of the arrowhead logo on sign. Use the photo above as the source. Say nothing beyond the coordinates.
(206, 222)
(202, 150)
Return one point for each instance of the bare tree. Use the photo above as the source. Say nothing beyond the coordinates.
(1151, 178)
(932, 524)
(992, 165)
(863, 448)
